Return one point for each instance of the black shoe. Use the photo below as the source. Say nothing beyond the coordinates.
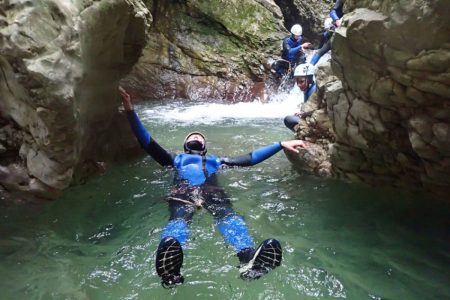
(255, 264)
(169, 260)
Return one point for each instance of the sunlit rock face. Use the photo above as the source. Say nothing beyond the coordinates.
(60, 65)
(213, 49)
(391, 109)
(207, 49)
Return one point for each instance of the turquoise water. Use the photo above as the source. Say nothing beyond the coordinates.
(340, 240)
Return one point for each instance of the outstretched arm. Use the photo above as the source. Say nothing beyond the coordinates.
(158, 153)
(262, 154)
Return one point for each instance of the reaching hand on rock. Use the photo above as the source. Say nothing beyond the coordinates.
(126, 99)
(293, 145)
(306, 45)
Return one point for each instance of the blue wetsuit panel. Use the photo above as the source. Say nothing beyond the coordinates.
(292, 48)
(158, 153)
(177, 228)
(212, 164)
(315, 59)
(264, 153)
(337, 12)
(190, 167)
(309, 92)
(235, 232)
(138, 128)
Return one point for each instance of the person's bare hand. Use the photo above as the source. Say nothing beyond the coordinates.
(338, 22)
(293, 145)
(126, 99)
(298, 114)
(306, 45)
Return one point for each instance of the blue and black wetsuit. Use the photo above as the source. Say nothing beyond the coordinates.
(337, 11)
(292, 50)
(325, 45)
(292, 120)
(292, 55)
(195, 186)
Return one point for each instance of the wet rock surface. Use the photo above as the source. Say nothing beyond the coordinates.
(390, 106)
(60, 64)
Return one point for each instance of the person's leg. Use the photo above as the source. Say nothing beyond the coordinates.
(324, 49)
(291, 121)
(254, 263)
(169, 256)
(234, 231)
(180, 217)
(230, 224)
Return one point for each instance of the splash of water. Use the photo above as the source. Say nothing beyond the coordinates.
(213, 111)
(277, 106)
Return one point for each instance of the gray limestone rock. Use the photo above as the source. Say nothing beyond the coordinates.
(60, 65)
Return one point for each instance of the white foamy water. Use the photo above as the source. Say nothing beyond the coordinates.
(277, 107)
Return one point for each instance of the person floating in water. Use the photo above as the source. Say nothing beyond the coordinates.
(196, 187)
(304, 78)
(293, 52)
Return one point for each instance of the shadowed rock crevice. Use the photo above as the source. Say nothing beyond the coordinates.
(309, 14)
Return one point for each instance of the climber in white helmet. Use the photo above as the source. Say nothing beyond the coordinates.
(330, 24)
(304, 78)
(293, 47)
(293, 51)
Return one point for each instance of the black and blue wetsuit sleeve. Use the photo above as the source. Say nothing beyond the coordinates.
(286, 46)
(309, 92)
(336, 12)
(291, 51)
(252, 158)
(158, 153)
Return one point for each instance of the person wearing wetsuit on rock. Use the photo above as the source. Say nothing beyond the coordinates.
(330, 25)
(293, 52)
(304, 78)
(337, 12)
(195, 187)
(325, 43)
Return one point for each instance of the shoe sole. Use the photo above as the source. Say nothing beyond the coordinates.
(169, 257)
(268, 256)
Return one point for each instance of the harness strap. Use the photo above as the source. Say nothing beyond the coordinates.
(205, 171)
(197, 202)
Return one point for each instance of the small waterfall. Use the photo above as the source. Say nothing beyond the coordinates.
(277, 107)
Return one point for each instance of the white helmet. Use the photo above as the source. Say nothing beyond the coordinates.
(328, 23)
(296, 29)
(304, 70)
